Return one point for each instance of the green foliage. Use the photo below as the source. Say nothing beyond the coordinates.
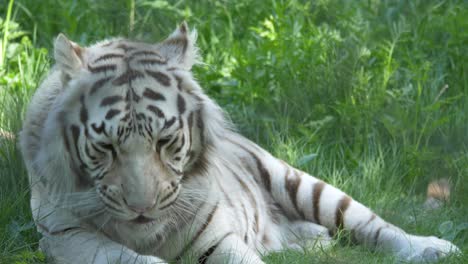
(371, 96)
(21, 67)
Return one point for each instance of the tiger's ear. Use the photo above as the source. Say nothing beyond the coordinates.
(68, 55)
(180, 47)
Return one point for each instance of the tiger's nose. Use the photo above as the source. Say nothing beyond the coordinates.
(140, 207)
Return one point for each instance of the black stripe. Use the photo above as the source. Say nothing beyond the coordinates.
(145, 53)
(169, 194)
(317, 192)
(111, 113)
(125, 47)
(178, 149)
(110, 100)
(97, 149)
(135, 96)
(108, 197)
(102, 68)
(101, 173)
(168, 124)
(126, 117)
(76, 134)
(190, 127)
(83, 111)
(160, 77)
(111, 206)
(201, 126)
(180, 104)
(155, 110)
(140, 116)
(65, 231)
(174, 140)
(150, 94)
(98, 84)
(161, 142)
(127, 77)
(179, 81)
(148, 129)
(108, 56)
(152, 61)
(120, 131)
(99, 129)
(204, 257)
(265, 175)
(58, 232)
(292, 185)
(376, 236)
(81, 180)
(167, 205)
(88, 153)
(108, 147)
(343, 205)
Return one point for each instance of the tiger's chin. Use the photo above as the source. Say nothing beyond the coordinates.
(141, 234)
(141, 220)
(142, 225)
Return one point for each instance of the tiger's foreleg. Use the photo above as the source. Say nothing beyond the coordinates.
(82, 246)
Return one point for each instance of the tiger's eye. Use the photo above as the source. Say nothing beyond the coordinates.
(109, 147)
(163, 141)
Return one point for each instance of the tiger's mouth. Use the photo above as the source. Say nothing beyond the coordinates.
(142, 220)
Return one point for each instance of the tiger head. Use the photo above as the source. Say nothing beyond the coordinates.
(133, 121)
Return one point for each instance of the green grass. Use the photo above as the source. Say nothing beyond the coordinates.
(354, 92)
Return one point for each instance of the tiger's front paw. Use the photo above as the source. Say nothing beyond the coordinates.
(427, 249)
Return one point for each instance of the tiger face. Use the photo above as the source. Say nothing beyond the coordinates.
(132, 121)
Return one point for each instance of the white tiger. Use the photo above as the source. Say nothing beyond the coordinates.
(130, 162)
